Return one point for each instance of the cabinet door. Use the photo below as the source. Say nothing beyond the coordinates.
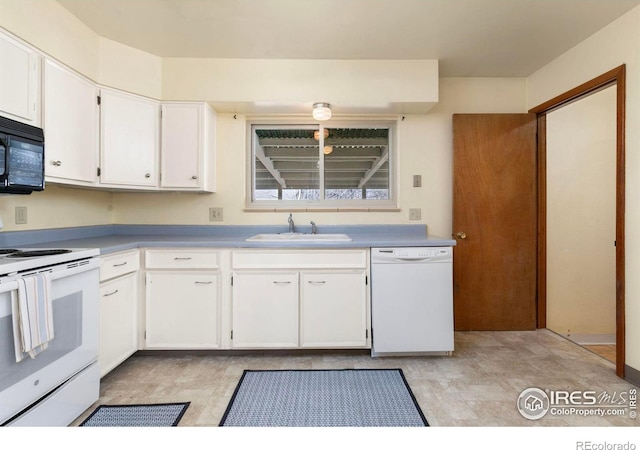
(182, 145)
(129, 128)
(70, 126)
(183, 310)
(265, 310)
(19, 81)
(118, 321)
(333, 309)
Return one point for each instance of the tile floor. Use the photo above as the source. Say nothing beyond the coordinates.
(477, 386)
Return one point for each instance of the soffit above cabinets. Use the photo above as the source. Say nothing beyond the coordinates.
(352, 87)
(304, 109)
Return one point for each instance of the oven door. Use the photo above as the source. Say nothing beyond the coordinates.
(74, 347)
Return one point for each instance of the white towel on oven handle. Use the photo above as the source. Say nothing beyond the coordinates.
(32, 315)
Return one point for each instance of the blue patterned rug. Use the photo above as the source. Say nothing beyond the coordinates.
(156, 415)
(323, 398)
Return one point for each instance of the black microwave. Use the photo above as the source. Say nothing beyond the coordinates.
(21, 157)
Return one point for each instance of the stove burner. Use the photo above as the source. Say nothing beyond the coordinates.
(6, 251)
(35, 253)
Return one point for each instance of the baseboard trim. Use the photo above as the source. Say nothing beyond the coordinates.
(592, 339)
(632, 375)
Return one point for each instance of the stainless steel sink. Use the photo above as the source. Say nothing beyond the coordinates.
(300, 237)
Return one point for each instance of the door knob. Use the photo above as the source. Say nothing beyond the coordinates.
(461, 235)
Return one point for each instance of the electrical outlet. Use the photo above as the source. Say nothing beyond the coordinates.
(215, 214)
(21, 215)
(417, 181)
(415, 213)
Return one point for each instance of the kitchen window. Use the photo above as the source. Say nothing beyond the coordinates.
(338, 165)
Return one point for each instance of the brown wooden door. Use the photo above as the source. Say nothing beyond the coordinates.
(495, 206)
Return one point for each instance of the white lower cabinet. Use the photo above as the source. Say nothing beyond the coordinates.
(300, 299)
(333, 309)
(182, 310)
(265, 310)
(182, 299)
(118, 321)
(118, 309)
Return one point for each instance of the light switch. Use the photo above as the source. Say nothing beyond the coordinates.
(415, 213)
(417, 181)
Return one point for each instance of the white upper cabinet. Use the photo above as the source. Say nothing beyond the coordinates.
(129, 140)
(70, 126)
(19, 81)
(188, 147)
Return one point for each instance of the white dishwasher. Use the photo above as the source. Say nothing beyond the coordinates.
(412, 300)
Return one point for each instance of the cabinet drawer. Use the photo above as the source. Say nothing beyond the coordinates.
(182, 259)
(299, 259)
(119, 264)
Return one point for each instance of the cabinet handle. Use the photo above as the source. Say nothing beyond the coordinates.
(147, 175)
(56, 163)
(316, 282)
(282, 282)
(185, 258)
(121, 264)
(194, 177)
(204, 282)
(111, 293)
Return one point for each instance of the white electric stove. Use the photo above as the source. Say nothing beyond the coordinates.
(61, 382)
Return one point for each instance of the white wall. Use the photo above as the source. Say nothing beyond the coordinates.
(581, 217)
(616, 44)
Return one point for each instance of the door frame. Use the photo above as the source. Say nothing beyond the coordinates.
(615, 77)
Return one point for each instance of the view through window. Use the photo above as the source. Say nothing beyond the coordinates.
(347, 164)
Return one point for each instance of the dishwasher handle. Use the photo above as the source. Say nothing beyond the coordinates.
(410, 255)
(415, 259)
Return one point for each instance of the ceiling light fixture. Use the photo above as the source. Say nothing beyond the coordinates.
(321, 111)
(316, 134)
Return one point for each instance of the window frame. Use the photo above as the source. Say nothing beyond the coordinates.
(321, 204)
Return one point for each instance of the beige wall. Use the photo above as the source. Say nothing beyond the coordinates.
(57, 207)
(129, 69)
(424, 148)
(52, 29)
(616, 44)
(581, 213)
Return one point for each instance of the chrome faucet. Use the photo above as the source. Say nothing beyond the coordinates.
(314, 228)
(291, 224)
